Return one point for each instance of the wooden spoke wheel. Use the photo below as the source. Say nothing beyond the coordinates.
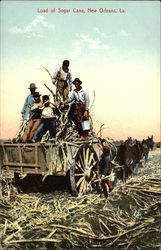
(84, 170)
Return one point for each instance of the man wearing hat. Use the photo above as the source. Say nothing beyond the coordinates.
(63, 80)
(28, 102)
(80, 107)
(34, 118)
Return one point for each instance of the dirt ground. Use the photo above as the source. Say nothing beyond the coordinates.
(130, 218)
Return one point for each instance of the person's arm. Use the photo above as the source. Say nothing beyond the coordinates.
(36, 106)
(55, 76)
(71, 98)
(24, 107)
(70, 81)
(87, 101)
(53, 104)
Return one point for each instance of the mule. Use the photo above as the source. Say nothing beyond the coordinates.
(129, 155)
(137, 150)
(124, 158)
(147, 145)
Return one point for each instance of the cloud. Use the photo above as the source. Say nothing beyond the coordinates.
(101, 33)
(97, 30)
(123, 33)
(88, 41)
(35, 28)
(93, 43)
(77, 48)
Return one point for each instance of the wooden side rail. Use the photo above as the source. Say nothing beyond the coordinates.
(20, 164)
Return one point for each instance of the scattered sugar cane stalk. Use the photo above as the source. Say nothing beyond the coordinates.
(33, 241)
(36, 203)
(127, 224)
(74, 229)
(105, 226)
(148, 189)
(5, 227)
(51, 234)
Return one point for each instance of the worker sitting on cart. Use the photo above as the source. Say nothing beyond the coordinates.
(79, 110)
(48, 120)
(26, 112)
(105, 170)
(34, 119)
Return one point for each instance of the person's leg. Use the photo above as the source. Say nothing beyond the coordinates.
(109, 185)
(44, 130)
(66, 93)
(105, 187)
(72, 113)
(37, 135)
(80, 109)
(27, 131)
(52, 128)
(59, 89)
(36, 123)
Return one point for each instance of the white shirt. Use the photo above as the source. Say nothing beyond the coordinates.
(35, 109)
(47, 113)
(60, 74)
(80, 96)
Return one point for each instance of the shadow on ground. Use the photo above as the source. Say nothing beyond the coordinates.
(34, 183)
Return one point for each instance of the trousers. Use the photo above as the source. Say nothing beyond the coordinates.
(63, 89)
(31, 129)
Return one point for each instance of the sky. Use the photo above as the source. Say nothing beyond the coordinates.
(114, 50)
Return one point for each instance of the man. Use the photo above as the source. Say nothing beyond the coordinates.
(34, 118)
(28, 102)
(63, 80)
(80, 107)
(105, 169)
(25, 112)
(48, 120)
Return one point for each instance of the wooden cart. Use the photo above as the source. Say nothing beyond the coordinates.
(80, 160)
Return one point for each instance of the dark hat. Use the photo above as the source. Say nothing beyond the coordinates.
(36, 94)
(77, 80)
(32, 86)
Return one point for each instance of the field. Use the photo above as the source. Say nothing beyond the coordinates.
(130, 218)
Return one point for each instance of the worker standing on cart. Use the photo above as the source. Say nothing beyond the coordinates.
(79, 111)
(28, 102)
(63, 80)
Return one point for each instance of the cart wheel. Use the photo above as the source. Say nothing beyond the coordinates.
(84, 170)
